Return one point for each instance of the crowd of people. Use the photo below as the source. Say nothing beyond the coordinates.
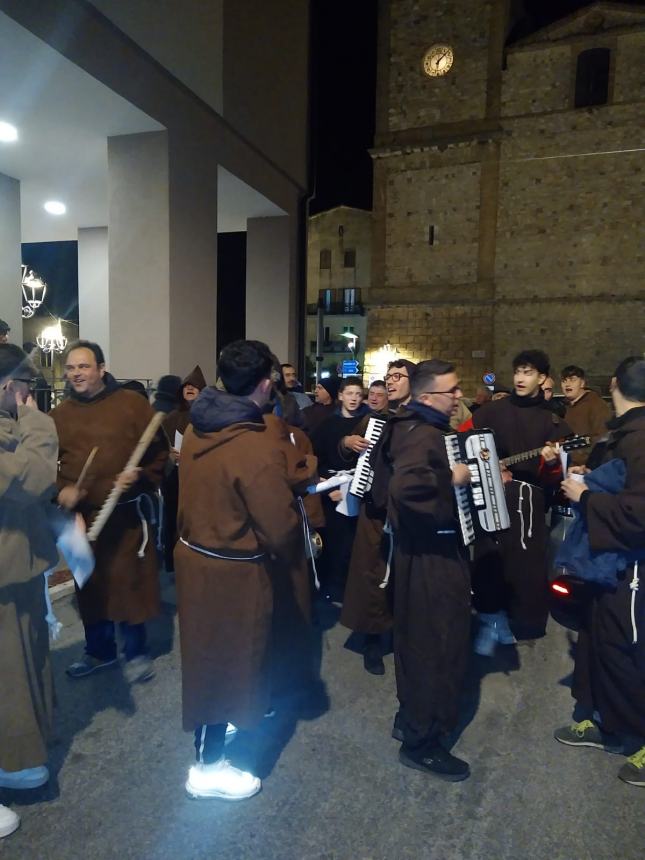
(237, 466)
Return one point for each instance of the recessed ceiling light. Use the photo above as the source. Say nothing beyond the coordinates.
(8, 132)
(55, 207)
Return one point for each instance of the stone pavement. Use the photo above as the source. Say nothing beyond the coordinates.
(333, 787)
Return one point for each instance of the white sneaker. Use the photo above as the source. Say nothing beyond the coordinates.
(139, 669)
(9, 821)
(221, 780)
(30, 777)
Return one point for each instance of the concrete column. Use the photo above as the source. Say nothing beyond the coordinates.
(10, 257)
(270, 284)
(193, 256)
(93, 287)
(138, 255)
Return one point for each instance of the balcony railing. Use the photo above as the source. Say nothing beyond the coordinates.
(337, 308)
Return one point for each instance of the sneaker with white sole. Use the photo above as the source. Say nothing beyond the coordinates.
(493, 630)
(587, 734)
(221, 780)
(9, 821)
(88, 665)
(139, 669)
(23, 780)
(633, 771)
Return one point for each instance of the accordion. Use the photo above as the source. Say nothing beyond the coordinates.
(482, 504)
(364, 474)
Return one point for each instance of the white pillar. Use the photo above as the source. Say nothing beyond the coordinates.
(269, 284)
(93, 287)
(10, 257)
(138, 255)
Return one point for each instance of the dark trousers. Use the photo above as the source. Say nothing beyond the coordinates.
(209, 742)
(510, 570)
(609, 674)
(338, 540)
(431, 641)
(100, 641)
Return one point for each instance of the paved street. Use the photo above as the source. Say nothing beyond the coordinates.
(333, 787)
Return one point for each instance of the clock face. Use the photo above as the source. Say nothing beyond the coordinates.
(437, 60)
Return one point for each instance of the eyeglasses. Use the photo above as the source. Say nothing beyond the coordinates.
(395, 377)
(453, 390)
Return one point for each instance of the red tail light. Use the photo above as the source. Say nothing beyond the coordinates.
(561, 589)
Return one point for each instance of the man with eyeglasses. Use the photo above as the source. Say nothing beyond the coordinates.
(431, 579)
(397, 380)
(28, 455)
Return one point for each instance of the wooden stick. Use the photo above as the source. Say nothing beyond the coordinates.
(85, 468)
(115, 493)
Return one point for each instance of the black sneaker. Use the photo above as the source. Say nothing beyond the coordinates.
(397, 727)
(633, 771)
(436, 761)
(588, 734)
(373, 659)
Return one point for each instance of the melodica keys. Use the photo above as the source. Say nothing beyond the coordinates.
(483, 503)
(364, 474)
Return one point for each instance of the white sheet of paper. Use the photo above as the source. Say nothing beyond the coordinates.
(179, 438)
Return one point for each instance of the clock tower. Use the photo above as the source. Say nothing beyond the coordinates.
(436, 160)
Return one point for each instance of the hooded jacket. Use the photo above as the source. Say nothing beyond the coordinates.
(588, 416)
(178, 420)
(234, 493)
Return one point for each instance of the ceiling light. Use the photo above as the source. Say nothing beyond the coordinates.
(8, 132)
(55, 207)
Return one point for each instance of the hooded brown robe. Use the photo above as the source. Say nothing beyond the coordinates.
(237, 518)
(125, 583)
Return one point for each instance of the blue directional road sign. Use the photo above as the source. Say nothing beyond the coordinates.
(489, 378)
(349, 367)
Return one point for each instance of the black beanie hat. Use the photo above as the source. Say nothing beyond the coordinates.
(168, 387)
(14, 362)
(331, 386)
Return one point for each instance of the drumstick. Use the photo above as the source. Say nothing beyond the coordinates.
(87, 465)
(110, 503)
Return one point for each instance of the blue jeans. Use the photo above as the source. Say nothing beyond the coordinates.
(100, 641)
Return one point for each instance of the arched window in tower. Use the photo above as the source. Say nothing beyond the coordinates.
(592, 77)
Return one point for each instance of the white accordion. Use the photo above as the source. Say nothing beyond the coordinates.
(482, 504)
(364, 474)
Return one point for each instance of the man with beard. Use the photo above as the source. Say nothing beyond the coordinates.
(237, 515)
(609, 675)
(510, 569)
(367, 608)
(431, 582)
(124, 587)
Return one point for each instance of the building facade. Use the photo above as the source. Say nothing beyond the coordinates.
(509, 182)
(339, 251)
(160, 125)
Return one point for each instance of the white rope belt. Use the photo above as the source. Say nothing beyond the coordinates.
(138, 500)
(211, 553)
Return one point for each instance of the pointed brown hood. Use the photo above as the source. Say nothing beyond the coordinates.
(195, 377)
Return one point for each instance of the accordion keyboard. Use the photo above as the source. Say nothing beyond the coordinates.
(364, 474)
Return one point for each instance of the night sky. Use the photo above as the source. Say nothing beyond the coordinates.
(343, 91)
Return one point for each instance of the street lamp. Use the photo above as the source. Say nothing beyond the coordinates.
(52, 339)
(33, 292)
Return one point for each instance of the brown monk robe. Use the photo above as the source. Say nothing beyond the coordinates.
(236, 503)
(510, 569)
(366, 608)
(292, 660)
(125, 583)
